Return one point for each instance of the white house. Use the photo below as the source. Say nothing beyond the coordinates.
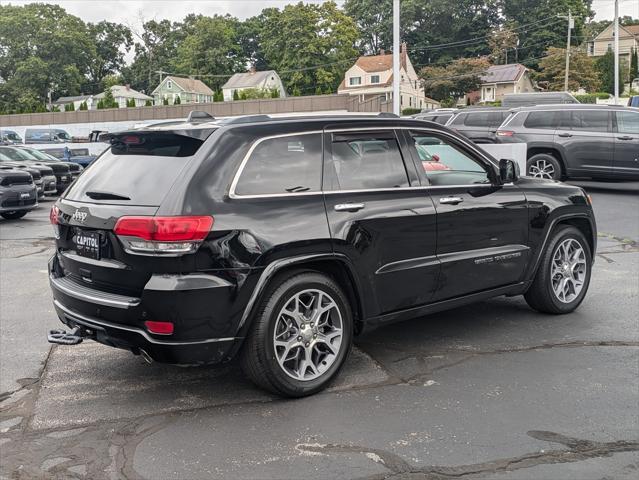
(188, 90)
(501, 79)
(265, 80)
(372, 76)
(121, 94)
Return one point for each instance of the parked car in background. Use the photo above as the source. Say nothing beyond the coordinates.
(74, 168)
(513, 100)
(633, 101)
(18, 193)
(437, 116)
(46, 135)
(10, 136)
(479, 124)
(60, 169)
(278, 240)
(596, 141)
(81, 156)
(47, 178)
(34, 172)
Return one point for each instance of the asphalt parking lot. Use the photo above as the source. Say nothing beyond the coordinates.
(493, 390)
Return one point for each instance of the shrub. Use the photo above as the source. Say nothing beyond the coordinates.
(165, 101)
(148, 103)
(236, 96)
(410, 111)
(177, 101)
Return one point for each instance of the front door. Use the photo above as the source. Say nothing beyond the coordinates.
(379, 219)
(626, 162)
(587, 140)
(482, 227)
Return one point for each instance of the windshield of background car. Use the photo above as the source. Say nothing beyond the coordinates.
(12, 136)
(62, 135)
(16, 154)
(139, 167)
(41, 155)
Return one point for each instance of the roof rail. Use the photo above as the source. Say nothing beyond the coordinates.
(198, 116)
(248, 119)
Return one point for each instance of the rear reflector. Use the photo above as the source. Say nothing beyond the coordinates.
(165, 229)
(159, 328)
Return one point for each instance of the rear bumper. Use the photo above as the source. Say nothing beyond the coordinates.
(196, 304)
(194, 352)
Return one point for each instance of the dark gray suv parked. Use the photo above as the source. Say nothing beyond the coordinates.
(479, 124)
(596, 141)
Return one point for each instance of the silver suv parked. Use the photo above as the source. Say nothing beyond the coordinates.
(596, 141)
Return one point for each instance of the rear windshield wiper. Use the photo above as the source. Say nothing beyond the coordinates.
(95, 195)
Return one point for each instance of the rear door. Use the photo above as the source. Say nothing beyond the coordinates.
(482, 227)
(379, 216)
(587, 140)
(626, 156)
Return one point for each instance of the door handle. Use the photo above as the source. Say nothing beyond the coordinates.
(625, 137)
(565, 135)
(451, 200)
(348, 207)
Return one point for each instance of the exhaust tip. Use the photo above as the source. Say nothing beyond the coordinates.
(147, 358)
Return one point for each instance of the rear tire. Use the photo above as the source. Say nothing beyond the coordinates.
(544, 165)
(301, 336)
(563, 276)
(14, 215)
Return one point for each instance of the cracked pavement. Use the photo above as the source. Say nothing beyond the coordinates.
(491, 390)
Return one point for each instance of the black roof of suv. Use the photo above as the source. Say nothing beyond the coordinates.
(280, 239)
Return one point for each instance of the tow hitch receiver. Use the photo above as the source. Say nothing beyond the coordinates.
(72, 337)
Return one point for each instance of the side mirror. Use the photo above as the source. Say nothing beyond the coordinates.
(508, 170)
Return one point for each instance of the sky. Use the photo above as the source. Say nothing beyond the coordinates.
(134, 12)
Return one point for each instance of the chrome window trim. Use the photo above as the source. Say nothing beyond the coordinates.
(238, 174)
(246, 158)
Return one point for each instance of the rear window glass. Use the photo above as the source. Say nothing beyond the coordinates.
(142, 171)
(542, 120)
(291, 164)
(588, 120)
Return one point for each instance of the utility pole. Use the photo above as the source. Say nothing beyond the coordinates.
(571, 25)
(616, 52)
(396, 54)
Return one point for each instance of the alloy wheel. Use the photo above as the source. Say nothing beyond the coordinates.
(541, 169)
(568, 270)
(308, 334)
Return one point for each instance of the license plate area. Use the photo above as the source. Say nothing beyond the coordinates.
(89, 244)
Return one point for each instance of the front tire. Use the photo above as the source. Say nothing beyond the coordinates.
(563, 276)
(14, 215)
(543, 165)
(301, 336)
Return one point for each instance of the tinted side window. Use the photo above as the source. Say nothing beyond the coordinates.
(548, 120)
(289, 164)
(445, 164)
(484, 119)
(628, 122)
(365, 162)
(589, 120)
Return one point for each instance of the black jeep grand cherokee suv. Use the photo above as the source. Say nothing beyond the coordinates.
(279, 239)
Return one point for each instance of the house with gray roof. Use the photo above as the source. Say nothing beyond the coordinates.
(75, 100)
(189, 90)
(121, 94)
(502, 79)
(265, 80)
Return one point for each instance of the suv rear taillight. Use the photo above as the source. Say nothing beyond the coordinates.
(504, 133)
(162, 235)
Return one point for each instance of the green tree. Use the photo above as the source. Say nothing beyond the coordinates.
(148, 103)
(111, 41)
(108, 100)
(296, 39)
(177, 100)
(634, 64)
(375, 22)
(84, 106)
(69, 107)
(236, 96)
(582, 74)
(539, 26)
(43, 49)
(165, 101)
(100, 105)
(454, 80)
(606, 67)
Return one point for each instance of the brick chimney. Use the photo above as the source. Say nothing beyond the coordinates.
(382, 51)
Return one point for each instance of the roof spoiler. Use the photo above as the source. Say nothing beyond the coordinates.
(387, 115)
(198, 116)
